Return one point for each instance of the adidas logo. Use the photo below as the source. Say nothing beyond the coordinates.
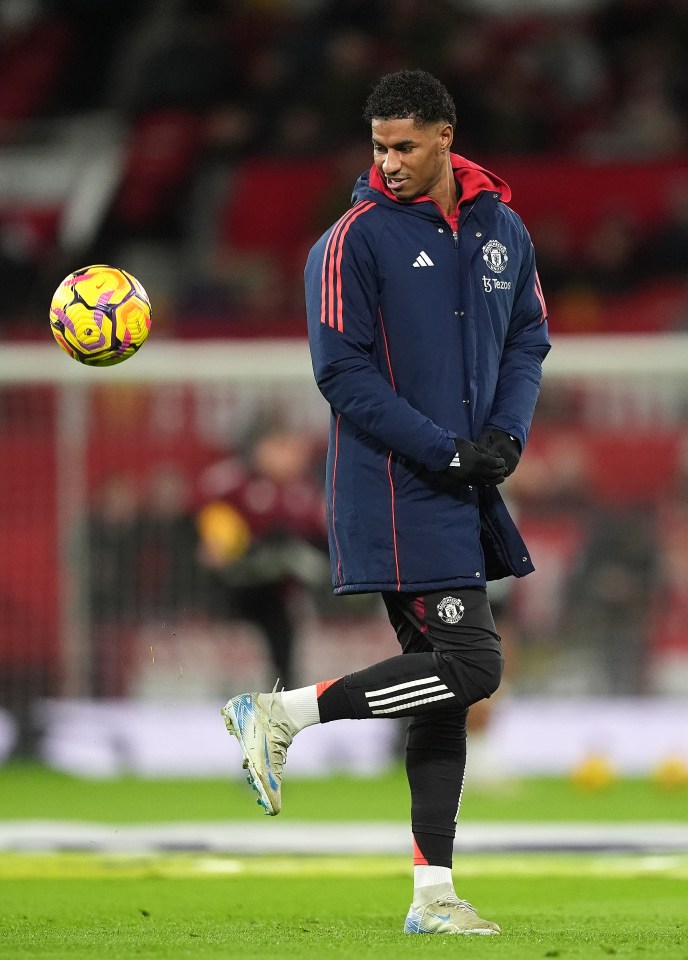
(423, 260)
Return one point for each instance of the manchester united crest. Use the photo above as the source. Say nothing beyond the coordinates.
(495, 256)
(450, 610)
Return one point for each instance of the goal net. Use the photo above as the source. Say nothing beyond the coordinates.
(113, 571)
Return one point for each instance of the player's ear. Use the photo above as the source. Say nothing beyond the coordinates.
(446, 136)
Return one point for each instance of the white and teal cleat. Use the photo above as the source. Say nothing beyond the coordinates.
(264, 732)
(447, 915)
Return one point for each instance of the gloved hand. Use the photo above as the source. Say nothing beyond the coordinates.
(474, 463)
(502, 445)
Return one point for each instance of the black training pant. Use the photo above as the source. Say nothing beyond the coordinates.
(451, 658)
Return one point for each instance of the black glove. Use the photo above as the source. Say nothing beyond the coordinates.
(502, 445)
(476, 464)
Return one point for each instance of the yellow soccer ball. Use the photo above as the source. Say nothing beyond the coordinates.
(100, 315)
(594, 772)
(671, 773)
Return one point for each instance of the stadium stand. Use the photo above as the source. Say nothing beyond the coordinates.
(238, 122)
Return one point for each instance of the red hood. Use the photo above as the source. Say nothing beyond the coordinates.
(470, 177)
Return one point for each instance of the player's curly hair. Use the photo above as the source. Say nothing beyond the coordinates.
(410, 93)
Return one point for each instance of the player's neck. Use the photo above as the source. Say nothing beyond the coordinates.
(446, 192)
(452, 195)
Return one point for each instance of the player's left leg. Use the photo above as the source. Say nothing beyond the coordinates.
(436, 754)
(435, 764)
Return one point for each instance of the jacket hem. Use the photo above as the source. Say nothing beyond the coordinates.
(422, 586)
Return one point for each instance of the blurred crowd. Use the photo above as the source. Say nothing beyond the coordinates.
(205, 145)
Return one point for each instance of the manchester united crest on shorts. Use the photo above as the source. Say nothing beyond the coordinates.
(495, 256)
(450, 610)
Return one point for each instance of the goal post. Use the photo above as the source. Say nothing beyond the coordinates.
(287, 361)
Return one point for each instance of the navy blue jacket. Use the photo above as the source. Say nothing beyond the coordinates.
(419, 334)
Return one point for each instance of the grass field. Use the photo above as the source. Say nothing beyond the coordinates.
(87, 906)
(81, 907)
(32, 792)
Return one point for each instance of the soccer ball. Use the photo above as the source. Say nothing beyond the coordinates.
(100, 315)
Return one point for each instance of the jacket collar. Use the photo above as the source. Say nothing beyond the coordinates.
(470, 177)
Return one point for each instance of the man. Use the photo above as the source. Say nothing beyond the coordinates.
(427, 332)
(262, 537)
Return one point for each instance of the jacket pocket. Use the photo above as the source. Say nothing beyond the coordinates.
(503, 547)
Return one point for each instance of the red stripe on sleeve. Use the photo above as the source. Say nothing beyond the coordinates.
(328, 267)
(325, 286)
(540, 295)
(331, 311)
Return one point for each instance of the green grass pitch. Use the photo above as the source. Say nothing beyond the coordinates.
(91, 906)
(29, 791)
(81, 907)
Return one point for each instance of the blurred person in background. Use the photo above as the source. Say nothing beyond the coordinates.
(427, 332)
(262, 538)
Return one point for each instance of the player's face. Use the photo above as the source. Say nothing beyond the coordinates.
(412, 159)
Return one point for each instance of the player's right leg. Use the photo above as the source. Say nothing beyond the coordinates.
(266, 723)
(445, 667)
(411, 684)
